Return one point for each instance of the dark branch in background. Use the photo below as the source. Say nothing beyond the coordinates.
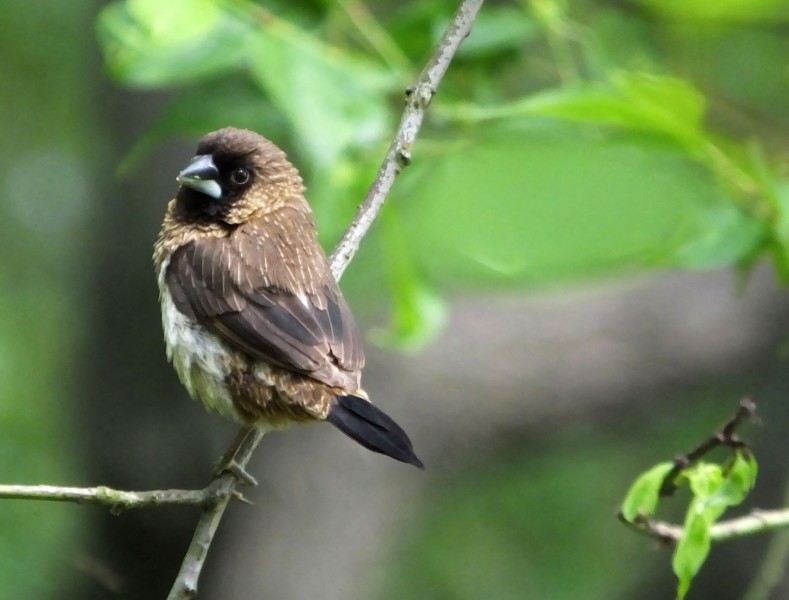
(726, 437)
(757, 521)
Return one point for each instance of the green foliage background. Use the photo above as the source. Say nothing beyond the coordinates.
(569, 142)
(514, 175)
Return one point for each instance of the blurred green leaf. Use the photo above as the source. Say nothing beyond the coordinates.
(692, 550)
(341, 98)
(721, 235)
(642, 497)
(498, 29)
(727, 11)
(522, 205)
(714, 490)
(634, 101)
(705, 479)
(154, 44)
(740, 478)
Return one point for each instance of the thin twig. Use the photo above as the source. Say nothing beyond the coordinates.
(758, 521)
(727, 437)
(185, 584)
(118, 500)
(418, 98)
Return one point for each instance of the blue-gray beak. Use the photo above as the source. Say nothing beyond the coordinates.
(202, 175)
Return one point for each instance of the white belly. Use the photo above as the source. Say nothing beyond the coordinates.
(200, 358)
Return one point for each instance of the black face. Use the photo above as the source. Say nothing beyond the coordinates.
(208, 176)
(227, 164)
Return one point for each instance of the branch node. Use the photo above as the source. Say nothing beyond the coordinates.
(403, 158)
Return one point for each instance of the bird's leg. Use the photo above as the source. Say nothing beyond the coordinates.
(228, 464)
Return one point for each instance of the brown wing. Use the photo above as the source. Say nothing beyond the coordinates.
(222, 283)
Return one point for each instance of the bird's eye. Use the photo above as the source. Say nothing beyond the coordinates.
(239, 176)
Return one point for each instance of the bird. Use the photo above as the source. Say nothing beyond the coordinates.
(254, 322)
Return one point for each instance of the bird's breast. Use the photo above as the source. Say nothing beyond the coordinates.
(202, 361)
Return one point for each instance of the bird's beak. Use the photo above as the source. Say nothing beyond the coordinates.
(202, 175)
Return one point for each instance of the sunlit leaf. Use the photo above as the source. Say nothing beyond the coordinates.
(642, 497)
(154, 44)
(721, 11)
(740, 477)
(692, 550)
(641, 102)
(714, 490)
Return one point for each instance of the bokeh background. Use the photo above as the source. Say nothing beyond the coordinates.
(579, 276)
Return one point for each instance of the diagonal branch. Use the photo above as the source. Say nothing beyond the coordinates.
(417, 99)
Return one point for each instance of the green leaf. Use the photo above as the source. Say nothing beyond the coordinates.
(514, 205)
(634, 101)
(637, 102)
(779, 240)
(334, 99)
(704, 479)
(739, 479)
(692, 550)
(714, 489)
(721, 11)
(722, 234)
(147, 43)
(642, 497)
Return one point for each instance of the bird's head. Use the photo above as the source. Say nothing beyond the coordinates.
(237, 175)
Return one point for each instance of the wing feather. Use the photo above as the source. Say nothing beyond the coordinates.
(211, 280)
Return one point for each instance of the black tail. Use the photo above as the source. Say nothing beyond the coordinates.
(372, 428)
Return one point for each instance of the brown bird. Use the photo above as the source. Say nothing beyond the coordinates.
(254, 323)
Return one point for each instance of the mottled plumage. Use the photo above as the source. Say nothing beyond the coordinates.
(255, 325)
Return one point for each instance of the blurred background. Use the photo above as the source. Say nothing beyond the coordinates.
(580, 275)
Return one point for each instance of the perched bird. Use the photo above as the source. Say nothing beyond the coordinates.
(254, 323)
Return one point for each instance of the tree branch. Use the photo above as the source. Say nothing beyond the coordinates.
(118, 500)
(759, 521)
(727, 437)
(417, 99)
